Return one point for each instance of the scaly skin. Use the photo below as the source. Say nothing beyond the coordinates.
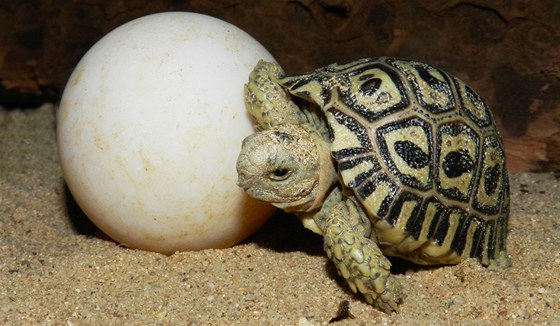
(270, 105)
(357, 258)
(266, 100)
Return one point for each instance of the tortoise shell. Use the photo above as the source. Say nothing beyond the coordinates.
(421, 152)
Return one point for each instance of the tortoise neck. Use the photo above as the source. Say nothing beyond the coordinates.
(328, 176)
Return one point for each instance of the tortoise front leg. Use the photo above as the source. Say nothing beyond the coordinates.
(357, 257)
(270, 105)
(267, 102)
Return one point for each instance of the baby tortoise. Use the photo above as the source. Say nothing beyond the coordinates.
(381, 156)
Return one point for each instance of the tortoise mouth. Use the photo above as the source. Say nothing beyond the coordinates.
(289, 201)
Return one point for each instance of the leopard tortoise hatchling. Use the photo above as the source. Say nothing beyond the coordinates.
(420, 170)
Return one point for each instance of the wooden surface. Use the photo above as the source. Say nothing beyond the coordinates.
(508, 51)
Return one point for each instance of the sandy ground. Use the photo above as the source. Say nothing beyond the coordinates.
(58, 269)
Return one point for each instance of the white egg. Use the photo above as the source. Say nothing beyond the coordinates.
(149, 128)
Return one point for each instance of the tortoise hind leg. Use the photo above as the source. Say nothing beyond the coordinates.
(493, 247)
(501, 259)
(358, 258)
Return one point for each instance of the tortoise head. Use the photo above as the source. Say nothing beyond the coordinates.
(286, 166)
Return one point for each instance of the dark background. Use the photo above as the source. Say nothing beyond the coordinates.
(509, 51)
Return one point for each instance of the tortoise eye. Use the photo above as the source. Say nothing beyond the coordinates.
(280, 174)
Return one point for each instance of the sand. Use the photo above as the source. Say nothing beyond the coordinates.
(56, 268)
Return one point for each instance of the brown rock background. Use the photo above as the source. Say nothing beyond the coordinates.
(509, 51)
